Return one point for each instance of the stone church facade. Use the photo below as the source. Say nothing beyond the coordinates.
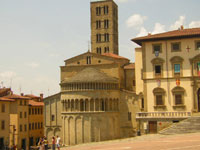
(97, 101)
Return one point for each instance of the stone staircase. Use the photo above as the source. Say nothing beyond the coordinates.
(190, 125)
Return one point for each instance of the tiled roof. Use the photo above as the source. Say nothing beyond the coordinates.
(14, 96)
(6, 99)
(114, 56)
(91, 75)
(130, 66)
(4, 91)
(34, 103)
(32, 96)
(181, 33)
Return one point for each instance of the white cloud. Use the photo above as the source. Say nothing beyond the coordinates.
(158, 28)
(136, 20)
(33, 65)
(143, 32)
(194, 24)
(54, 55)
(178, 23)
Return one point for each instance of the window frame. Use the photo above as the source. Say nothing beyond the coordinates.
(156, 44)
(177, 60)
(172, 48)
(178, 91)
(159, 92)
(196, 43)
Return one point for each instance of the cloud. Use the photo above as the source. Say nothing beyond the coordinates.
(194, 24)
(158, 28)
(178, 23)
(33, 65)
(143, 32)
(136, 20)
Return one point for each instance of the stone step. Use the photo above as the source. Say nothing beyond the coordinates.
(190, 125)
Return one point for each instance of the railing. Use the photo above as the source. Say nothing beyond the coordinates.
(143, 115)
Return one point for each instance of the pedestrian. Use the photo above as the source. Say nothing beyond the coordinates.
(41, 144)
(45, 143)
(53, 143)
(58, 142)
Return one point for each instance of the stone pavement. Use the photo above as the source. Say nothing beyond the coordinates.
(146, 142)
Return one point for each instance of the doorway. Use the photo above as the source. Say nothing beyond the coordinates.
(23, 144)
(198, 100)
(31, 141)
(152, 127)
(1, 144)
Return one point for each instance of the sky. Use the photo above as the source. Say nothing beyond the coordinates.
(36, 36)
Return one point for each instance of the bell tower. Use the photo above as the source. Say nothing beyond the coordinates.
(104, 27)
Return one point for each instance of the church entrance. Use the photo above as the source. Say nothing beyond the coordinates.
(198, 100)
(152, 127)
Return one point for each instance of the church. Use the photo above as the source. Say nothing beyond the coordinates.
(97, 101)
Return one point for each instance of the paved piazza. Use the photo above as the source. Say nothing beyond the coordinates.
(146, 142)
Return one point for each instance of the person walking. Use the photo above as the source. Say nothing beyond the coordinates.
(45, 143)
(58, 142)
(53, 143)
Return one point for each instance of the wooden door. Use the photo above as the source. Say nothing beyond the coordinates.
(152, 126)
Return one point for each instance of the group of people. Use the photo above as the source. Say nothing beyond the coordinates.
(44, 144)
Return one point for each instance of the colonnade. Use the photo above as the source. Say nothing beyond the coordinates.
(82, 105)
(89, 86)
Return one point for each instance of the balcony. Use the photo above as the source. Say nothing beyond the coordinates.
(163, 115)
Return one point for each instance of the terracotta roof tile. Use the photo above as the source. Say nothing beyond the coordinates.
(15, 96)
(130, 66)
(34, 103)
(114, 55)
(6, 99)
(4, 91)
(32, 96)
(181, 33)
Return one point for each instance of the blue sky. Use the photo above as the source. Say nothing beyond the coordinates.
(36, 36)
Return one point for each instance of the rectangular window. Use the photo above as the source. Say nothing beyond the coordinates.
(129, 116)
(52, 117)
(176, 46)
(33, 112)
(29, 126)
(21, 102)
(177, 68)
(156, 47)
(24, 103)
(98, 38)
(20, 115)
(25, 127)
(98, 24)
(41, 125)
(142, 103)
(32, 126)
(3, 108)
(38, 125)
(197, 45)
(29, 111)
(25, 114)
(157, 69)
(106, 49)
(38, 111)
(2, 125)
(98, 10)
(159, 100)
(106, 24)
(105, 9)
(178, 99)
